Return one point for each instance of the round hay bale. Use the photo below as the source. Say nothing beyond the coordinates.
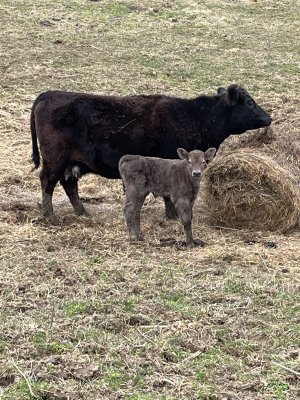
(251, 191)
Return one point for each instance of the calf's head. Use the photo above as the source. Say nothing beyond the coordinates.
(197, 160)
(245, 114)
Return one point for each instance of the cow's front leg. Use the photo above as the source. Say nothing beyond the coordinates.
(171, 212)
(132, 213)
(71, 188)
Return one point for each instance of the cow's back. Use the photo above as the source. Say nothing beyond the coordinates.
(136, 103)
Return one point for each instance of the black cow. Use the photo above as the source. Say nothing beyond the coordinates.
(92, 132)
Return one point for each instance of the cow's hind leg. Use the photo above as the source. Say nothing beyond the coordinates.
(48, 179)
(132, 213)
(171, 212)
(71, 188)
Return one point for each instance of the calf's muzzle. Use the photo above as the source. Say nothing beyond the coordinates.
(196, 174)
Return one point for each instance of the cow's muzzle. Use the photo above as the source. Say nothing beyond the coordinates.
(267, 121)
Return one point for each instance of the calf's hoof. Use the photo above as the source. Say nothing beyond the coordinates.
(136, 238)
(167, 242)
(48, 215)
(195, 243)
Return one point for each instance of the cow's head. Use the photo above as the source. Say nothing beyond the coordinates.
(197, 160)
(245, 113)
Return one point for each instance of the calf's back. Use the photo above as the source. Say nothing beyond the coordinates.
(162, 177)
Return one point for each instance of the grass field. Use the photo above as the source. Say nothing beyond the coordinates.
(85, 314)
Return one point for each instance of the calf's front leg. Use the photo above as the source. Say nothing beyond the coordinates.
(184, 209)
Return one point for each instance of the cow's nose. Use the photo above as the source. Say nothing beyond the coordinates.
(196, 174)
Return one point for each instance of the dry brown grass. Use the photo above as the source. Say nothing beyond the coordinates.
(243, 189)
(86, 315)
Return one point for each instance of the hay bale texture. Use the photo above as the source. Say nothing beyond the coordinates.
(247, 190)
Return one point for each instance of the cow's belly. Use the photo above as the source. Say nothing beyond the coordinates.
(109, 155)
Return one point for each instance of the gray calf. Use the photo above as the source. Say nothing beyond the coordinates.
(176, 180)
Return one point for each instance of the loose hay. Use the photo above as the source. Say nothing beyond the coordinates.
(246, 190)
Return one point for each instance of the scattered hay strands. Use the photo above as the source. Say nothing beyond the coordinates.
(247, 190)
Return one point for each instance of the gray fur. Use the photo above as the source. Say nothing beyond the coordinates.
(176, 180)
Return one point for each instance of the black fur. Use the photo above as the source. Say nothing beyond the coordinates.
(96, 131)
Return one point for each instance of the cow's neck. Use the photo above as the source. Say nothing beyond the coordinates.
(212, 120)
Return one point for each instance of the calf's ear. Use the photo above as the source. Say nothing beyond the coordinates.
(183, 154)
(209, 154)
(232, 95)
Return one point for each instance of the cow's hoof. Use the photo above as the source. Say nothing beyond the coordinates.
(83, 214)
(51, 219)
(195, 243)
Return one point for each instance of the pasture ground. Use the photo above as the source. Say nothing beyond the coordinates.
(86, 315)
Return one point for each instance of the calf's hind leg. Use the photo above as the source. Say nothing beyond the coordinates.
(132, 213)
(71, 188)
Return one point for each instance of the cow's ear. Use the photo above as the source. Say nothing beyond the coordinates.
(221, 90)
(209, 154)
(232, 95)
(183, 154)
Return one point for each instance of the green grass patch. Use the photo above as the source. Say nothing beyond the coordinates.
(114, 378)
(47, 344)
(21, 391)
(175, 301)
(77, 307)
(278, 388)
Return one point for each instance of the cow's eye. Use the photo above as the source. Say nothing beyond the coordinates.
(251, 103)
(204, 162)
(190, 162)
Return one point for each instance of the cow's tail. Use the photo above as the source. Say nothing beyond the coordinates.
(35, 149)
